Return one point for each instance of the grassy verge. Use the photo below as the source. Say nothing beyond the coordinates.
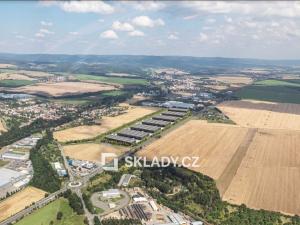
(272, 90)
(48, 213)
(113, 80)
(15, 83)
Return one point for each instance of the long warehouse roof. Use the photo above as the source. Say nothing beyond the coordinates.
(133, 133)
(177, 114)
(144, 127)
(160, 123)
(166, 118)
(121, 138)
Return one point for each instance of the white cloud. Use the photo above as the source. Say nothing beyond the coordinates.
(210, 20)
(74, 33)
(136, 33)
(228, 19)
(109, 34)
(20, 36)
(46, 24)
(87, 7)
(45, 31)
(284, 9)
(40, 35)
(148, 5)
(190, 17)
(203, 37)
(173, 37)
(145, 21)
(117, 25)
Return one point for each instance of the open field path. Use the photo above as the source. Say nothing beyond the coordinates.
(230, 170)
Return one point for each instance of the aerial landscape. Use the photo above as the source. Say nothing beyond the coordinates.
(150, 113)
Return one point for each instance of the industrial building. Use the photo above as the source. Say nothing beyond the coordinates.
(133, 133)
(178, 110)
(125, 179)
(176, 104)
(118, 138)
(153, 205)
(15, 156)
(159, 123)
(145, 128)
(176, 219)
(9, 177)
(165, 118)
(176, 114)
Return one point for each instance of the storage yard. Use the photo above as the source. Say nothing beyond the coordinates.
(91, 151)
(19, 201)
(107, 124)
(259, 114)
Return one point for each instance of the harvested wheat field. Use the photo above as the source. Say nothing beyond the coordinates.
(2, 127)
(91, 151)
(215, 144)
(261, 114)
(19, 201)
(63, 88)
(34, 74)
(233, 79)
(107, 124)
(14, 76)
(6, 66)
(269, 175)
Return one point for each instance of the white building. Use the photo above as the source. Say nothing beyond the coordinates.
(153, 205)
(111, 193)
(197, 223)
(176, 104)
(15, 156)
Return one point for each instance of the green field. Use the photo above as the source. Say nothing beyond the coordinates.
(3, 163)
(48, 213)
(113, 80)
(15, 83)
(285, 91)
(271, 82)
(113, 93)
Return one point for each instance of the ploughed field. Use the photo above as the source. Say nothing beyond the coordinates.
(255, 162)
(107, 123)
(259, 114)
(62, 88)
(19, 201)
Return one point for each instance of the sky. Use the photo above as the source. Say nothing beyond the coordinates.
(259, 29)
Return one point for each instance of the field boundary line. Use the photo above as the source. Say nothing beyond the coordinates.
(225, 179)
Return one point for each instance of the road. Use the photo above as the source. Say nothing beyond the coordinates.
(30, 209)
(77, 190)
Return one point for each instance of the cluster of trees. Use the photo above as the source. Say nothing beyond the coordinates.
(200, 191)
(36, 126)
(44, 176)
(74, 202)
